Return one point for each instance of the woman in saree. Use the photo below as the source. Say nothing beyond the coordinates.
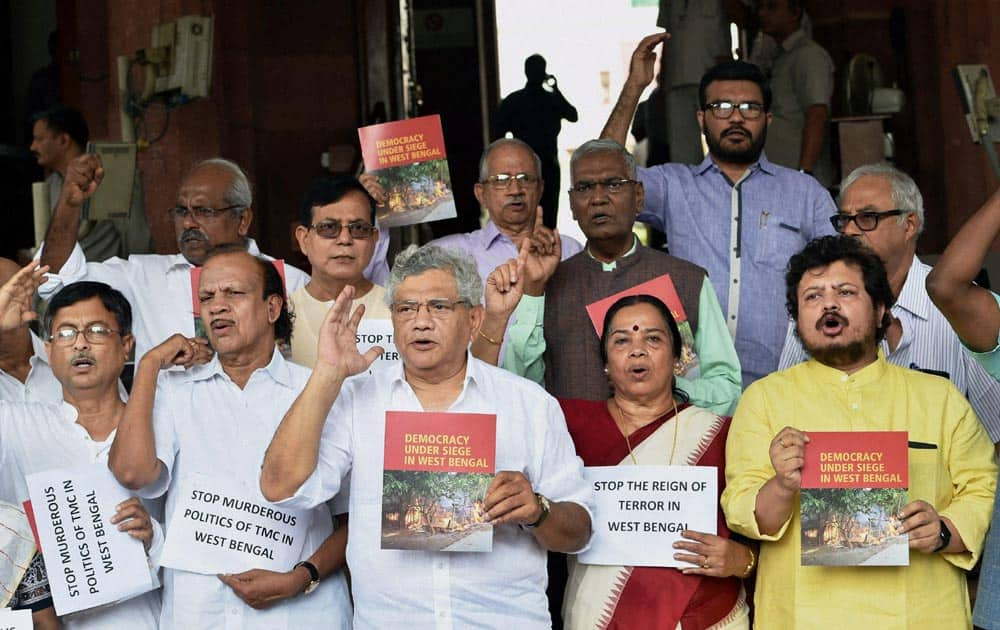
(647, 421)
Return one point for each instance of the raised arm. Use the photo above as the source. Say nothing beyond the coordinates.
(971, 310)
(16, 296)
(640, 74)
(132, 458)
(83, 176)
(294, 451)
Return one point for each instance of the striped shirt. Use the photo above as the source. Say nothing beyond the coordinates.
(928, 343)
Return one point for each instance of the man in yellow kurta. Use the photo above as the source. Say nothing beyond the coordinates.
(838, 295)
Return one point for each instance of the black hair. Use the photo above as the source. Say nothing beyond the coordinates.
(331, 189)
(827, 250)
(65, 119)
(668, 318)
(534, 68)
(273, 285)
(112, 299)
(735, 70)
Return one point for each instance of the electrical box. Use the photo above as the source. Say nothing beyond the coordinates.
(979, 100)
(187, 56)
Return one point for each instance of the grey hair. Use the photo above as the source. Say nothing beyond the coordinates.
(484, 171)
(414, 261)
(905, 194)
(239, 192)
(603, 145)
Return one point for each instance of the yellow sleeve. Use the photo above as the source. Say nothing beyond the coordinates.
(748, 465)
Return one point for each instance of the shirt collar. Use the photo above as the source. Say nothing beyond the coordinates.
(792, 40)
(277, 369)
(179, 263)
(473, 374)
(763, 164)
(913, 296)
(832, 376)
(491, 234)
(611, 266)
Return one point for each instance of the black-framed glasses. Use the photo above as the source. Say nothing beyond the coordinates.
(502, 181)
(438, 308)
(331, 229)
(96, 334)
(866, 221)
(201, 213)
(613, 186)
(724, 109)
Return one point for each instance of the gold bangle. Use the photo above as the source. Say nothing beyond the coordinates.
(750, 565)
(489, 339)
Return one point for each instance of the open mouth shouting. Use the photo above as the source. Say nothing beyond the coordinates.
(831, 324)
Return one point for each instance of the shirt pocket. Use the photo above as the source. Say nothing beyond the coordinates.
(778, 238)
(928, 479)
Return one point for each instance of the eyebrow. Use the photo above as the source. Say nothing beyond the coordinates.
(626, 331)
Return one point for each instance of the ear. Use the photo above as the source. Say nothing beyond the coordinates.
(64, 141)
(768, 117)
(128, 342)
(477, 190)
(300, 236)
(48, 352)
(640, 198)
(910, 225)
(700, 115)
(476, 315)
(274, 304)
(246, 218)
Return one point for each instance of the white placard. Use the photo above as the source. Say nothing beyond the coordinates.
(378, 332)
(217, 526)
(15, 619)
(89, 562)
(641, 510)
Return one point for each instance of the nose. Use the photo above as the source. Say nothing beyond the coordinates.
(344, 235)
(637, 351)
(81, 343)
(188, 220)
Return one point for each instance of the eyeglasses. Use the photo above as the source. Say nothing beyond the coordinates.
(96, 334)
(724, 109)
(866, 221)
(613, 186)
(332, 229)
(438, 308)
(502, 181)
(200, 212)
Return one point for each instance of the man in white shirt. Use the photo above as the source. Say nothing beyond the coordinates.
(882, 206)
(210, 424)
(89, 325)
(538, 499)
(214, 206)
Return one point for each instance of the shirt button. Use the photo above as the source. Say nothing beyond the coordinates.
(843, 378)
(854, 406)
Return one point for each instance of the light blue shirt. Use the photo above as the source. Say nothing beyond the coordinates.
(991, 359)
(775, 210)
(928, 342)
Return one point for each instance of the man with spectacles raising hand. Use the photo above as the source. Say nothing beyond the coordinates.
(736, 214)
(214, 207)
(882, 207)
(338, 235)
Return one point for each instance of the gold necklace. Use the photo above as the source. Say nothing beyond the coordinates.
(621, 428)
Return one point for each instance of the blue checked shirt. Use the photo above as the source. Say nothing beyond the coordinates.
(743, 234)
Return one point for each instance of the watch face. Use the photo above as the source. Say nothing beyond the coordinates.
(311, 587)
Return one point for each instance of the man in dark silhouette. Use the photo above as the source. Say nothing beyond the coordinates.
(534, 114)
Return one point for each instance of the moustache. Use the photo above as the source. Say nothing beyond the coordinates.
(736, 130)
(86, 356)
(192, 234)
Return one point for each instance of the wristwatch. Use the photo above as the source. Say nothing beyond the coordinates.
(544, 504)
(313, 575)
(945, 537)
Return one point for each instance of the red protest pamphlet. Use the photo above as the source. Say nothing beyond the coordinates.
(662, 288)
(437, 468)
(854, 484)
(408, 158)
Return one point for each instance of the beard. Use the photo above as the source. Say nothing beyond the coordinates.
(749, 155)
(839, 354)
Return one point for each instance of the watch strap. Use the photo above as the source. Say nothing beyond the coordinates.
(945, 537)
(313, 574)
